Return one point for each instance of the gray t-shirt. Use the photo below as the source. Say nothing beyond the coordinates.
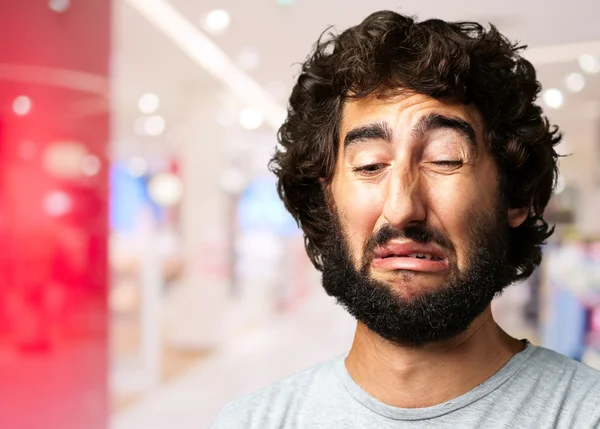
(537, 388)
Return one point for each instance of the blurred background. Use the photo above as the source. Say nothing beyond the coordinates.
(148, 271)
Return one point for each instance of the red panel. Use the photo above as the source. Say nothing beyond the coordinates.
(53, 216)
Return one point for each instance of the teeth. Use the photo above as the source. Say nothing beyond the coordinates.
(420, 256)
(424, 256)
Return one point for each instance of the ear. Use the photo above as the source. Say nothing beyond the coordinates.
(516, 216)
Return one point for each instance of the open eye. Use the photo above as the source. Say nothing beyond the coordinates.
(369, 170)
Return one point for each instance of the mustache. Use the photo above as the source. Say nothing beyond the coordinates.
(418, 233)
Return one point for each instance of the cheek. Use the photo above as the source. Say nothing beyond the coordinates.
(454, 223)
(455, 204)
(359, 209)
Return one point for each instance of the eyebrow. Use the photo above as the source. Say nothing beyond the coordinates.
(437, 121)
(373, 131)
(426, 124)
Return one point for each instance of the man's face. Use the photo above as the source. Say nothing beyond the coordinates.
(419, 231)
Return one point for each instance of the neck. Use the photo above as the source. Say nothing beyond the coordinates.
(417, 377)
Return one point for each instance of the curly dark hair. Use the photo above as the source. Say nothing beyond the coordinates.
(389, 52)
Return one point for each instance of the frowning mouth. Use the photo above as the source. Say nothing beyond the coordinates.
(427, 256)
(410, 256)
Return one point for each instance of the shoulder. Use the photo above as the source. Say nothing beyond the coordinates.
(570, 387)
(557, 366)
(272, 403)
(561, 376)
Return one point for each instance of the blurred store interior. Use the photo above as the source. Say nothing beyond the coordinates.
(151, 273)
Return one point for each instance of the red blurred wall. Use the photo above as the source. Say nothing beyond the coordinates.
(53, 214)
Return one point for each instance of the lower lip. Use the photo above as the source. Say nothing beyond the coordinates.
(409, 264)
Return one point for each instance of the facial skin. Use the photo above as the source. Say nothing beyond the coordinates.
(414, 177)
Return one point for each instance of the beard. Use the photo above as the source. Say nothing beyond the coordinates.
(437, 314)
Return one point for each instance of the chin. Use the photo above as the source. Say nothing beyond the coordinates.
(410, 283)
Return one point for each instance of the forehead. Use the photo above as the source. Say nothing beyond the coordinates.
(403, 111)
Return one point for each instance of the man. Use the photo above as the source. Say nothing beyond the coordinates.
(418, 166)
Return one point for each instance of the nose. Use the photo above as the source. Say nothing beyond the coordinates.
(405, 202)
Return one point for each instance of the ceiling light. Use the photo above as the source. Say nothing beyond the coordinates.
(589, 63)
(154, 125)
(22, 105)
(57, 203)
(59, 6)
(251, 118)
(165, 189)
(217, 21)
(204, 52)
(553, 98)
(575, 82)
(148, 103)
